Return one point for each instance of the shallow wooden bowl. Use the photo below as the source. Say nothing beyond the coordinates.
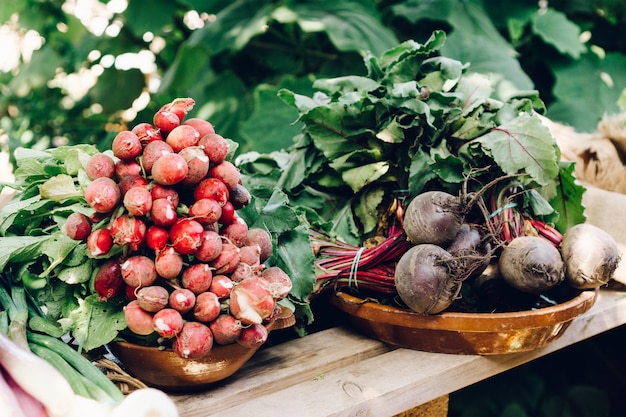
(463, 333)
(164, 369)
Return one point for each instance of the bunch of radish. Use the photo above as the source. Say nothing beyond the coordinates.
(170, 238)
(447, 250)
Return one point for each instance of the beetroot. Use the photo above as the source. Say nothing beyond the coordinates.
(531, 264)
(433, 217)
(194, 341)
(226, 329)
(182, 300)
(103, 194)
(424, 279)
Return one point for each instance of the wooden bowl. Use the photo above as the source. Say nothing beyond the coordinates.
(463, 333)
(164, 369)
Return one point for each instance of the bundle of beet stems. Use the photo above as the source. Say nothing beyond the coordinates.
(341, 265)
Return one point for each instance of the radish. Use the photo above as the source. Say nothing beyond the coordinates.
(138, 320)
(163, 212)
(433, 217)
(198, 165)
(207, 307)
(182, 300)
(225, 329)
(126, 145)
(139, 271)
(99, 242)
(194, 341)
(215, 147)
(202, 126)
(157, 237)
(167, 322)
(152, 298)
(227, 172)
(222, 286)
(153, 151)
(168, 263)
(253, 336)
(77, 226)
(227, 260)
(125, 167)
(146, 133)
(169, 169)
(103, 194)
(236, 232)
(210, 246)
(186, 235)
(206, 211)
(212, 188)
(239, 196)
(251, 301)
(100, 165)
(138, 201)
(128, 230)
(591, 256)
(108, 280)
(197, 278)
(165, 191)
(279, 283)
(531, 264)
(129, 181)
(263, 238)
(425, 280)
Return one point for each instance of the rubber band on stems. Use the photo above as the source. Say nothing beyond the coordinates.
(354, 268)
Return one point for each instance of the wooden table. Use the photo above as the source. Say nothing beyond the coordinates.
(338, 372)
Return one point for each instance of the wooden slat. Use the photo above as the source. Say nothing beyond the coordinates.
(309, 377)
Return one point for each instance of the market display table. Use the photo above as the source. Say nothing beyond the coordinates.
(339, 372)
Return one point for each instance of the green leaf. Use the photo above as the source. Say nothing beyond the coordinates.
(19, 248)
(366, 209)
(524, 146)
(59, 188)
(139, 22)
(568, 197)
(557, 30)
(79, 274)
(359, 177)
(57, 248)
(295, 257)
(190, 63)
(350, 25)
(95, 323)
(127, 85)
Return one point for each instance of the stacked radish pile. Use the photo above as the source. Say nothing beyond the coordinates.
(171, 240)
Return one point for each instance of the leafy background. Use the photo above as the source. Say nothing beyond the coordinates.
(85, 83)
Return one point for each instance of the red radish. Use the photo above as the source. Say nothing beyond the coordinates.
(139, 271)
(236, 232)
(157, 237)
(99, 242)
(100, 165)
(241, 272)
(168, 263)
(138, 201)
(108, 280)
(126, 145)
(182, 300)
(251, 255)
(167, 322)
(279, 282)
(226, 172)
(251, 301)
(228, 214)
(146, 133)
(215, 147)
(128, 230)
(207, 307)
(253, 336)
(138, 320)
(152, 298)
(186, 235)
(180, 106)
(206, 211)
(103, 194)
(202, 126)
(77, 226)
(165, 191)
(227, 260)
(169, 169)
(433, 217)
(225, 329)
(197, 278)
(130, 292)
(163, 212)
(222, 286)
(211, 188)
(531, 264)
(152, 152)
(239, 197)
(182, 136)
(198, 164)
(263, 238)
(131, 181)
(165, 121)
(210, 246)
(194, 341)
(125, 167)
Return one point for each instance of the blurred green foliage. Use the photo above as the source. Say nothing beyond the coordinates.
(234, 61)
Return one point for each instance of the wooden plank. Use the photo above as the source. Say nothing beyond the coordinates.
(387, 382)
(282, 366)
